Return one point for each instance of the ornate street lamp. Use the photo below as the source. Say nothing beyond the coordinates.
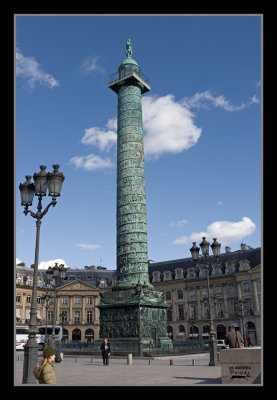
(55, 273)
(195, 256)
(42, 182)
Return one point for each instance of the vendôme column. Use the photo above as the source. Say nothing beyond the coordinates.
(133, 314)
(132, 255)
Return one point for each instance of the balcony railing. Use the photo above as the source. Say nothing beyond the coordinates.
(115, 76)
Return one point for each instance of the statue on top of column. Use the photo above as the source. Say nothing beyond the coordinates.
(129, 49)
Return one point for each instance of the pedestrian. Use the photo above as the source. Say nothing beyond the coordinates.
(106, 351)
(249, 341)
(233, 338)
(45, 372)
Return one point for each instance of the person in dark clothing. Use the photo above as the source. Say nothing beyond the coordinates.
(106, 351)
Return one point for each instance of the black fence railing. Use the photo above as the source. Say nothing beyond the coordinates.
(178, 348)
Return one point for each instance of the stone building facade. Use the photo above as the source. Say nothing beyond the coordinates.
(235, 286)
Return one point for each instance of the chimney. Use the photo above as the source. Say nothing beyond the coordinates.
(228, 249)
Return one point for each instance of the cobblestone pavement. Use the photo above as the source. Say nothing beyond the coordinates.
(90, 371)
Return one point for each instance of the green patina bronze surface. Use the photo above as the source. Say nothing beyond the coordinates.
(129, 311)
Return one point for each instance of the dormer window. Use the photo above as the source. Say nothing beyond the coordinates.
(191, 273)
(216, 270)
(179, 274)
(229, 269)
(156, 277)
(244, 265)
(167, 276)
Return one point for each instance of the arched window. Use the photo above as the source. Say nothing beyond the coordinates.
(206, 331)
(220, 331)
(76, 334)
(194, 332)
(182, 332)
(89, 335)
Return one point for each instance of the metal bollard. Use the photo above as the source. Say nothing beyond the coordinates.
(193, 362)
(171, 362)
(149, 361)
(76, 359)
(91, 360)
(129, 359)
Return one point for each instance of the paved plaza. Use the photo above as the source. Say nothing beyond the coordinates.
(90, 371)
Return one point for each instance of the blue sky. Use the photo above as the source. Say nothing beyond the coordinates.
(202, 131)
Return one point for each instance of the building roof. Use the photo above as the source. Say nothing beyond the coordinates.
(252, 255)
(94, 276)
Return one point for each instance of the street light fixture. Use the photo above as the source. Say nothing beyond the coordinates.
(56, 273)
(42, 182)
(195, 256)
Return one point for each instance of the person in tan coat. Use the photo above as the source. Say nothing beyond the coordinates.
(47, 374)
(233, 338)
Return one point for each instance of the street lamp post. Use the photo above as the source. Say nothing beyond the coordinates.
(46, 303)
(195, 256)
(57, 272)
(42, 182)
(240, 311)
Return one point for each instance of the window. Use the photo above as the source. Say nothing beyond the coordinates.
(179, 294)
(179, 274)
(168, 295)
(192, 310)
(203, 271)
(89, 317)
(229, 269)
(77, 300)
(50, 317)
(192, 292)
(64, 300)
(156, 277)
(102, 284)
(216, 270)
(38, 300)
(204, 291)
(18, 299)
(77, 316)
(246, 287)
(89, 300)
(169, 314)
(167, 275)
(181, 312)
(191, 273)
(28, 299)
(19, 278)
(232, 289)
(244, 265)
(218, 290)
(64, 316)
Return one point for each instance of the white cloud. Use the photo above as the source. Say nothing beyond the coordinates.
(225, 231)
(91, 162)
(90, 64)
(88, 246)
(51, 263)
(168, 126)
(178, 223)
(29, 68)
(101, 138)
(205, 99)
